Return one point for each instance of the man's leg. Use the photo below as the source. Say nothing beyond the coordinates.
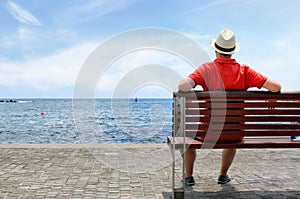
(190, 156)
(227, 158)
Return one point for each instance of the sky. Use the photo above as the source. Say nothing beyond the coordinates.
(45, 43)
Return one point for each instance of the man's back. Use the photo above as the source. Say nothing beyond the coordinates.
(227, 74)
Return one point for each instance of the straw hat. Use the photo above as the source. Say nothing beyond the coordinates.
(225, 43)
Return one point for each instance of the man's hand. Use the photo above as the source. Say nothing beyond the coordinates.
(186, 84)
(272, 85)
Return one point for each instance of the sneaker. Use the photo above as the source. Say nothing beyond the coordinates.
(224, 179)
(189, 181)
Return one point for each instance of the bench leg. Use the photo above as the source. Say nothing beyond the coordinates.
(177, 193)
(179, 130)
(173, 172)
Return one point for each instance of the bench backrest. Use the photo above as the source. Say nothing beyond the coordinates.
(236, 113)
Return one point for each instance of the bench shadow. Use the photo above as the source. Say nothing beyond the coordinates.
(228, 191)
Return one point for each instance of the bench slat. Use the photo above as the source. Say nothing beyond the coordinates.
(225, 126)
(246, 112)
(246, 143)
(206, 119)
(234, 95)
(246, 133)
(249, 104)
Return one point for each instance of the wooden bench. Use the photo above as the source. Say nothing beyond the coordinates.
(265, 119)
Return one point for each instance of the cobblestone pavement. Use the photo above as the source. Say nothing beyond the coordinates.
(140, 171)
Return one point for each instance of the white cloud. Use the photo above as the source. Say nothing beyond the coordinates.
(22, 15)
(57, 70)
(128, 69)
(203, 41)
(279, 60)
(24, 33)
(286, 53)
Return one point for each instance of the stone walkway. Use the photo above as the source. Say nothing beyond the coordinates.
(140, 171)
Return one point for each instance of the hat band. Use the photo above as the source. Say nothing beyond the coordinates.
(224, 49)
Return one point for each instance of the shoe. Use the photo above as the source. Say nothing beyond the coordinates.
(224, 179)
(189, 181)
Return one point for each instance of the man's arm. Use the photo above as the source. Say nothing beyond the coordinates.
(186, 84)
(272, 85)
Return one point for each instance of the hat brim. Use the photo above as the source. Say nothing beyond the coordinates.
(237, 48)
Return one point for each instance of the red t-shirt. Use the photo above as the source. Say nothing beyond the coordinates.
(227, 74)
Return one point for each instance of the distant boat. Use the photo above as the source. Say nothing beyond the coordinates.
(136, 99)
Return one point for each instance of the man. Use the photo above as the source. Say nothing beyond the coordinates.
(224, 73)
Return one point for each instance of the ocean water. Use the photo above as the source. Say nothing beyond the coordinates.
(109, 121)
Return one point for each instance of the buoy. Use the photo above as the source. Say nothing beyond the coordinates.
(42, 113)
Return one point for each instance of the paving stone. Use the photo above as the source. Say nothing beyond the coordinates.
(135, 171)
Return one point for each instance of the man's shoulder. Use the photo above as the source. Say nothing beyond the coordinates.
(208, 64)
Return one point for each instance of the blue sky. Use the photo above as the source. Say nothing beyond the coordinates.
(43, 44)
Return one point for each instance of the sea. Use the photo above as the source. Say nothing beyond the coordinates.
(130, 121)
